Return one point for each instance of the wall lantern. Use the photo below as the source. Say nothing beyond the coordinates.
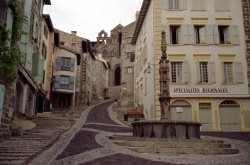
(149, 68)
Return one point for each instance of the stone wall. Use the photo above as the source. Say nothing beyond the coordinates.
(246, 17)
(8, 106)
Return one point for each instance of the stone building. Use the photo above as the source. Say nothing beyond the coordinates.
(100, 77)
(73, 42)
(208, 70)
(127, 65)
(7, 91)
(110, 48)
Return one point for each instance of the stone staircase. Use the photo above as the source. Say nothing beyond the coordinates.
(23, 149)
(173, 146)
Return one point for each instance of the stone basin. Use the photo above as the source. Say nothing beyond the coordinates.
(167, 129)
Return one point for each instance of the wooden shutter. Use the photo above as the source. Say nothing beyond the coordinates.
(235, 35)
(72, 65)
(170, 4)
(239, 77)
(185, 72)
(210, 29)
(179, 35)
(191, 38)
(221, 4)
(226, 35)
(198, 5)
(184, 34)
(71, 82)
(167, 30)
(56, 82)
(212, 72)
(216, 34)
(198, 77)
(202, 32)
(164, 4)
(183, 4)
(223, 72)
(58, 63)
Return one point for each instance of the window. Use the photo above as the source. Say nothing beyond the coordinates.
(175, 34)
(200, 34)
(224, 34)
(203, 72)
(176, 72)
(73, 46)
(105, 52)
(128, 70)
(44, 51)
(66, 62)
(174, 4)
(64, 82)
(198, 5)
(221, 5)
(45, 32)
(128, 55)
(228, 72)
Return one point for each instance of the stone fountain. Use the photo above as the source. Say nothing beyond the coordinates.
(165, 127)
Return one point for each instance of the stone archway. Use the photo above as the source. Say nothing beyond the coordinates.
(117, 77)
(181, 110)
(230, 119)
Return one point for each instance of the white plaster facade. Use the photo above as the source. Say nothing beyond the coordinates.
(216, 103)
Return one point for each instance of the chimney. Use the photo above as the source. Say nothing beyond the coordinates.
(73, 33)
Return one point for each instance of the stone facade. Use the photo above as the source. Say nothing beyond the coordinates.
(246, 17)
(127, 65)
(110, 48)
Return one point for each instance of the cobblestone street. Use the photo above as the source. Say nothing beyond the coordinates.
(87, 143)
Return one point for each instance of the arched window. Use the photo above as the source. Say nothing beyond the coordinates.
(105, 52)
(118, 76)
(229, 103)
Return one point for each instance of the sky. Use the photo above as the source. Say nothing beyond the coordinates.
(89, 17)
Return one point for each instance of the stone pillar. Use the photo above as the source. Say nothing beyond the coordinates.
(164, 81)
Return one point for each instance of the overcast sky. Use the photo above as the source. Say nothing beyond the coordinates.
(89, 17)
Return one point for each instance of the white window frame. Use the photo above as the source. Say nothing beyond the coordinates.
(228, 76)
(176, 71)
(203, 72)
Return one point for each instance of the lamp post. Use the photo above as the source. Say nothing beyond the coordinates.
(164, 81)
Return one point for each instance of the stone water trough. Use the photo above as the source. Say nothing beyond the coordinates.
(167, 129)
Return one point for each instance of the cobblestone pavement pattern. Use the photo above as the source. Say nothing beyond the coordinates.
(87, 143)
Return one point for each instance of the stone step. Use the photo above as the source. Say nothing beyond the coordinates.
(172, 144)
(144, 139)
(13, 162)
(160, 150)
